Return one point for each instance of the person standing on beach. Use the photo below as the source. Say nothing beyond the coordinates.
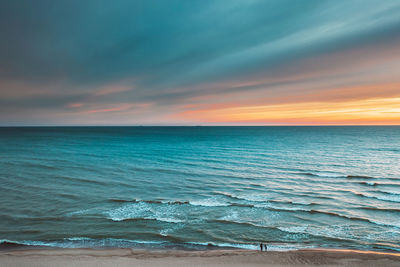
(265, 247)
(261, 246)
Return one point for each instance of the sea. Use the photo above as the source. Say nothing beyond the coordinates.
(201, 188)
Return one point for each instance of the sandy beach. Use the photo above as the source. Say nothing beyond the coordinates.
(129, 257)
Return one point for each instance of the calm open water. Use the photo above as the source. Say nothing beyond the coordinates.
(186, 187)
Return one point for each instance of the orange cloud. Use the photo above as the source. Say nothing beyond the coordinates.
(113, 109)
(355, 86)
(368, 111)
(75, 105)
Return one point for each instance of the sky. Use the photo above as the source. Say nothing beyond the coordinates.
(199, 62)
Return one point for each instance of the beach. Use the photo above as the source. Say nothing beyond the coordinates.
(134, 257)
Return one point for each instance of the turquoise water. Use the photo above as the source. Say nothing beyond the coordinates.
(186, 187)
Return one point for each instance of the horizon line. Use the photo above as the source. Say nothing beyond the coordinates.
(207, 125)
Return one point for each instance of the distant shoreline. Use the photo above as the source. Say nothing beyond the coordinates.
(137, 257)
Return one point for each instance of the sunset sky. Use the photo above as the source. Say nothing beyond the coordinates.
(253, 62)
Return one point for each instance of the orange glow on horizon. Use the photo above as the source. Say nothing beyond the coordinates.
(377, 111)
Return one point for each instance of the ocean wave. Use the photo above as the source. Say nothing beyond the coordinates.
(161, 219)
(303, 203)
(170, 220)
(386, 149)
(362, 219)
(256, 185)
(84, 242)
(379, 179)
(226, 245)
(7, 244)
(11, 243)
(212, 202)
(247, 197)
(388, 192)
(116, 219)
(338, 175)
(255, 201)
(177, 212)
(227, 195)
(96, 211)
(208, 203)
(144, 211)
(395, 224)
(360, 177)
(78, 238)
(387, 184)
(368, 183)
(148, 201)
(122, 200)
(272, 208)
(234, 216)
(388, 197)
(271, 246)
(380, 209)
(337, 233)
(243, 205)
(224, 220)
(340, 216)
(323, 174)
(294, 229)
(171, 229)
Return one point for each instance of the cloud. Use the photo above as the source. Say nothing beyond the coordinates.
(69, 56)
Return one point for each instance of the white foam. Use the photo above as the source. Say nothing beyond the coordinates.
(142, 210)
(210, 202)
(232, 216)
(328, 174)
(80, 212)
(227, 245)
(170, 220)
(77, 238)
(129, 211)
(294, 229)
(288, 208)
(270, 246)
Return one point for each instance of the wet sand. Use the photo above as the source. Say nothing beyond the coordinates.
(130, 257)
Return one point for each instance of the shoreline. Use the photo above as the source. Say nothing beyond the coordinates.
(40, 256)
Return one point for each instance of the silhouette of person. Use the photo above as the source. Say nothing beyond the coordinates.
(265, 247)
(261, 246)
